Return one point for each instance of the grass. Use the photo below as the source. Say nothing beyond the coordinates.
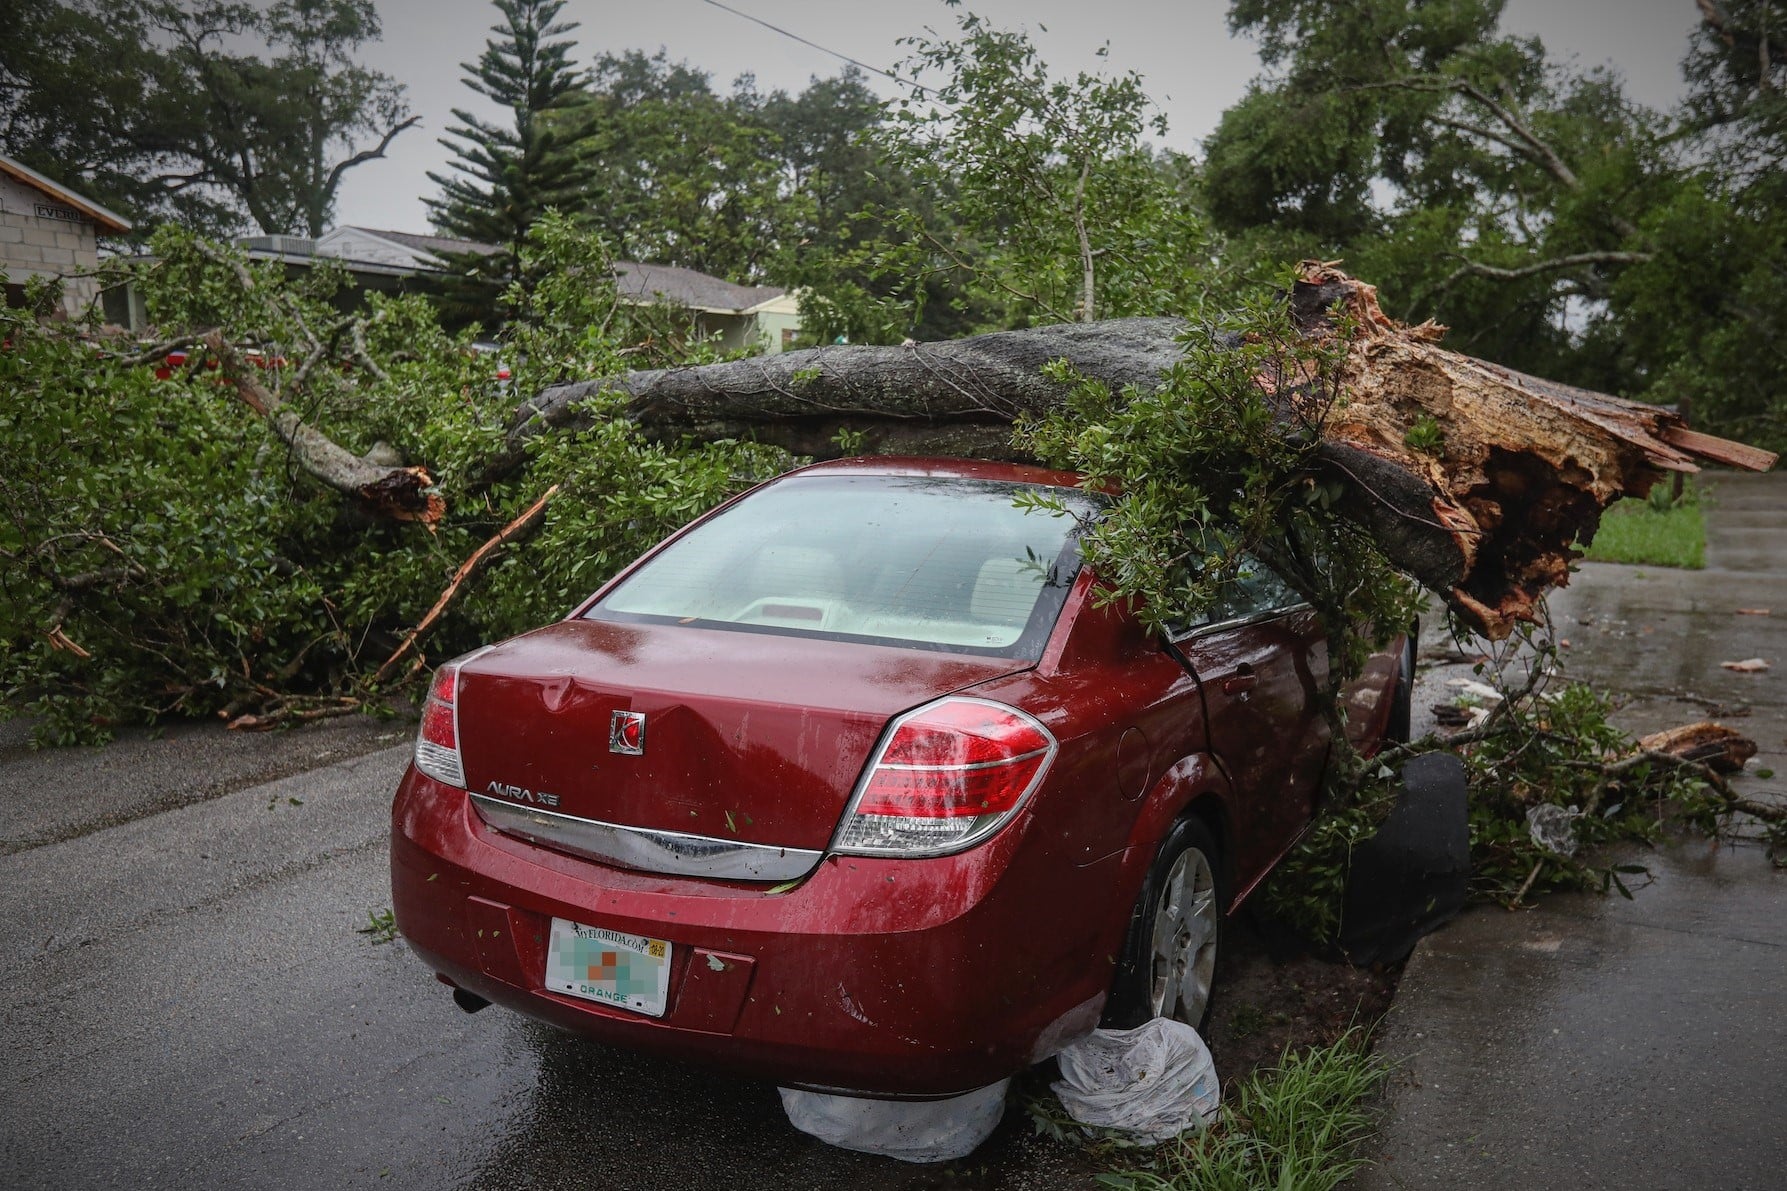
(1296, 1127)
(381, 925)
(1655, 532)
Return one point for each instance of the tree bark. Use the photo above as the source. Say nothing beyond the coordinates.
(400, 493)
(1487, 519)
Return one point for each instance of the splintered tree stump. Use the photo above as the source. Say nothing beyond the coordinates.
(1513, 469)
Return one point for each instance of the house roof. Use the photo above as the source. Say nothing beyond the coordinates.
(434, 245)
(106, 219)
(636, 282)
(688, 288)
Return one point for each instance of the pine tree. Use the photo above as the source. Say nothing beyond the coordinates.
(507, 177)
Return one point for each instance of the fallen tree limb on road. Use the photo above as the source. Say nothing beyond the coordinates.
(1474, 479)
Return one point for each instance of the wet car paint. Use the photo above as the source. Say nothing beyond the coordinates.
(753, 736)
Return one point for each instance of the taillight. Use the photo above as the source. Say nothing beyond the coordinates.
(437, 743)
(945, 777)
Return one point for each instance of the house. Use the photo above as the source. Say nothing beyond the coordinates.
(741, 316)
(48, 230)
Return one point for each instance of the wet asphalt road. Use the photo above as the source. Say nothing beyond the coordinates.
(185, 1002)
(1600, 1042)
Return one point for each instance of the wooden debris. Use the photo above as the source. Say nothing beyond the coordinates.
(522, 525)
(1711, 744)
(397, 493)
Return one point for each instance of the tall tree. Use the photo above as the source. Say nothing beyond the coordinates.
(857, 200)
(1474, 180)
(680, 174)
(1564, 229)
(173, 120)
(1044, 201)
(1737, 73)
(1708, 312)
(506, 176)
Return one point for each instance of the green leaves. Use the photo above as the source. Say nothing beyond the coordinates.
(1209, 475)
(202, 110)
(1034, 199)
(505, 178)
(159, 554)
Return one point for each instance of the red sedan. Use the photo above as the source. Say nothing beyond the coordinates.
(851, 784)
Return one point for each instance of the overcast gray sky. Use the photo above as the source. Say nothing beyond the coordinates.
(1193, 68)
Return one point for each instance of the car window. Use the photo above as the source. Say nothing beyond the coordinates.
(939, 562)
(1255, 588)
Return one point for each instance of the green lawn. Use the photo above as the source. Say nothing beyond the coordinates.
(1654, 533)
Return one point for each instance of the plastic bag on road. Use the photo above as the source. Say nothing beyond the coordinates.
(1155, 1081)
(910, 1130)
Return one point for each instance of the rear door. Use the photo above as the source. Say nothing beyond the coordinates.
(1262, 658)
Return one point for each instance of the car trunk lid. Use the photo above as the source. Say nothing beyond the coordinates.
(747, 737)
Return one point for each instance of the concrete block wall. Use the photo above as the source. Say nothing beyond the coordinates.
(32, 246)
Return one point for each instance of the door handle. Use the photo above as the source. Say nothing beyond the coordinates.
(1241, 681)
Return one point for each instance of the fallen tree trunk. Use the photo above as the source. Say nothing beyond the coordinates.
(1519, 469)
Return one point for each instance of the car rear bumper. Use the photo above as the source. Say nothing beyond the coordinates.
(884, 977)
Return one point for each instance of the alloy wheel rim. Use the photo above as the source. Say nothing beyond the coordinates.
(1184, 945)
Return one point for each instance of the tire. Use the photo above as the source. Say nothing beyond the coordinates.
(1402, 701)
(1181, 902)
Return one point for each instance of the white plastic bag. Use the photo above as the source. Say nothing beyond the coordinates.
(1553, 827)
(910, 1130)
(1155, 1081)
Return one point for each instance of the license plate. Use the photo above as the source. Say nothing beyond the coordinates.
(605, 966)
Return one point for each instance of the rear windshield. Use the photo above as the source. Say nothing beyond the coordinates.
(940, 563)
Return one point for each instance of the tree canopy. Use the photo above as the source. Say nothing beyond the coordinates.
(680, 174)
(1557, 225)
(175, 120)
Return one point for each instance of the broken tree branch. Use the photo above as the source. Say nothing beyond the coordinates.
(400, 493)
(1574, 260)
(522, 525)
(1730, 800)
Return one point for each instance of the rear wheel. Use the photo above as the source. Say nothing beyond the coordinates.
(1169, 959)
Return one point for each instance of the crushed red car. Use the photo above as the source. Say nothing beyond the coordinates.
(853, 785)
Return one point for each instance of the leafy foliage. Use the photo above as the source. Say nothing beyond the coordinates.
(1210, 474)
(162, 553)
(680, 175)
(1549, 744)
(1057, 208)
(177, 119)
(1554, 224)
(1452, 164)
